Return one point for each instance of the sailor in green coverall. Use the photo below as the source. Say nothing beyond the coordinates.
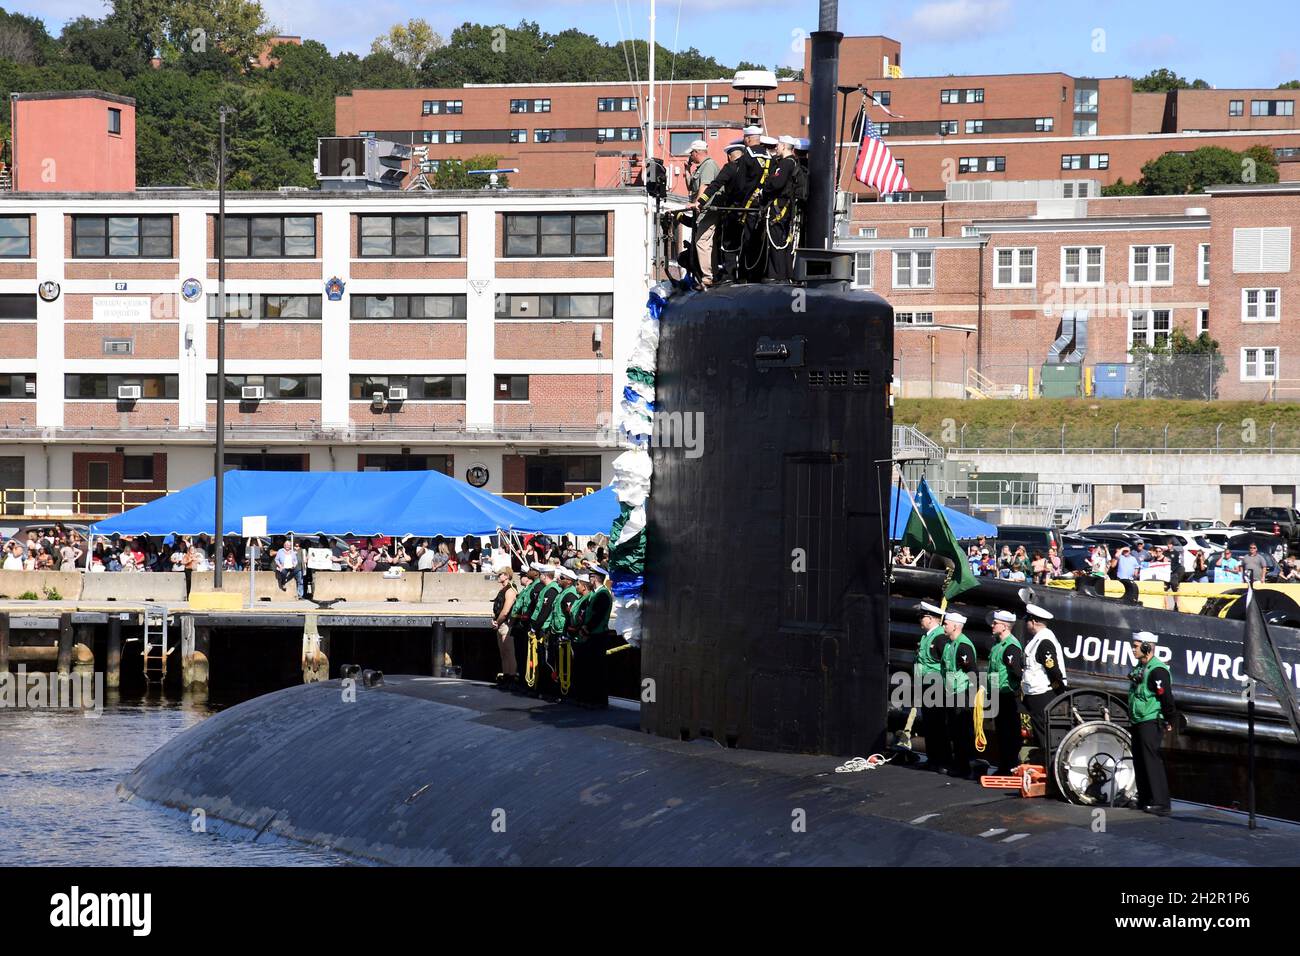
(958, 663)
(592, 641)
(550, 589)
(927, 672)
(553, 628)
(519, 618)
(1151, 711)
(1006, 668)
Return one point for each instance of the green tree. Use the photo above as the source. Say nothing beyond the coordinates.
(383, 71)
(409, 43)
(1289, 85)
(1182, 367)
(454, 174)
(1121, 188)
(103, 45)
(25, 40)
(1180, 173)
(1164, 80)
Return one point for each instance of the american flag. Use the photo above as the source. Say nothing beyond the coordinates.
(876, 165)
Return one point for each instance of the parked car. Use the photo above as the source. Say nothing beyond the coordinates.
(1270, 544)
(1178, 524)
(1128, 516)
(1271, 574)
(1033, 537)
(1283, 521)
(1106, 526)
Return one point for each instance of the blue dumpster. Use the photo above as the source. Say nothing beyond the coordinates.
(1110, 381)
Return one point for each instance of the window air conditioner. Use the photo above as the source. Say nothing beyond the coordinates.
(377, 398)
(397, 394)
(128, 393)
(252, 393)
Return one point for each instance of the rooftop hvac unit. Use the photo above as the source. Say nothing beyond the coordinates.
(377, 398)
(252, 393)
(128, 393)
(396, 394)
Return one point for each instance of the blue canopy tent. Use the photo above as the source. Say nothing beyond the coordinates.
(963, 526)
(590, 514)
(419, 503)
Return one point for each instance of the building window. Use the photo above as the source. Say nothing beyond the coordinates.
(1099, 160)
(251, 307)
(1072, 161)
(919, 232)
(555, 234)
(1149, 327)
(947, 127)
(914, 318)
(1236, 107)
(551, 305)
(17, 385)
(785, 97)
(427, 388)
(882, 97)
(974, 126)
(1044, 124)
(274, 386)
(115, 121)
(982, 164)
(717, 102)
(1085, 101)
(1261, 249)
(519, 106)
(541, 106)
(950, 96)
(137, 467)
(1272, 107)
(413, 237)
(511, 388)
(863, 261)
(1202, 322)
(122, 237)
(1082, 265)
(519, 136)
(1151, 265)
(1261, 305)
(270, 237)
(970, 232)
(914, 270)
(541, 136)
(867, 232)
(16, 237)
(1203, 264)
(1259, 364)
(696, 103)
(1085, 127)
(408, 306)
(106, 386)
(616, 104)
(974, 96)
(1015, 267)
(882, 129)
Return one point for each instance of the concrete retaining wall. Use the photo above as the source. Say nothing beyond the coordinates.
(236, 582)
(362, 586)
(464, 588)
(133, 586)
(67, 583)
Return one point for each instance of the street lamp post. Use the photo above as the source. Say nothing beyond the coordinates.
(219, 462)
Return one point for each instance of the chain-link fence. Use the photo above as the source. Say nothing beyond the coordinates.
(1241, 435)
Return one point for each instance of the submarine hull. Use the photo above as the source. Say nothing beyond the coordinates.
(766, 603)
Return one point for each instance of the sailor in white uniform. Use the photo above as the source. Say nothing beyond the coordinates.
(1044, 672)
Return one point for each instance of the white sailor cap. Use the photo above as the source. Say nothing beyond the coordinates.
(955, 618)
(925, 607)
(566, 573)
(583, 578)
(735, 145)
(752, 131)
(699, 144)
(595, 568)
(768, 140)
(789, 141)
(1033, 610)
(543, 568)
(1006, 617)
(1145, 637)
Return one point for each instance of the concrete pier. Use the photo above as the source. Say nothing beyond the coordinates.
(113, 664)
(65, 644)
(196, 645)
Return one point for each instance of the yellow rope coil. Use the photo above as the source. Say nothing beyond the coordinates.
(980, 740)
(530, 668)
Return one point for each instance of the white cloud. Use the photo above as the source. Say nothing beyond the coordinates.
(956, 19)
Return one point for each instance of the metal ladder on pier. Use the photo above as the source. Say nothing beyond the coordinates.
(156, 649)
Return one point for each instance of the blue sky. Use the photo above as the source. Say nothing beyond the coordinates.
(1197, 38)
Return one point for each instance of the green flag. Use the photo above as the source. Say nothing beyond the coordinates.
(929, 528)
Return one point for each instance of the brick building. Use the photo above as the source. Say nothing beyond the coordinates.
(988, 292)
(484, 331)
(1024, 126)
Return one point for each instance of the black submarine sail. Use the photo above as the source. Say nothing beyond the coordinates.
(765, 618)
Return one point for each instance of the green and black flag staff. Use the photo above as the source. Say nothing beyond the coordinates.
(927, 530)
(1263, 666)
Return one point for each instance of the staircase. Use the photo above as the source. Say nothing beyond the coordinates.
(979, 385)
(156, 650)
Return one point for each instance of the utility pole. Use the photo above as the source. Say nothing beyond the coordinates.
(219, 457)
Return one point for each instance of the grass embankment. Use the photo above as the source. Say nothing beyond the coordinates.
(1090, 423)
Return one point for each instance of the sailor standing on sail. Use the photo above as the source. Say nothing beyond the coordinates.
(927, 679)
(958, 664)
(1152, 712)
(1006, 669)
(1044, 672)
